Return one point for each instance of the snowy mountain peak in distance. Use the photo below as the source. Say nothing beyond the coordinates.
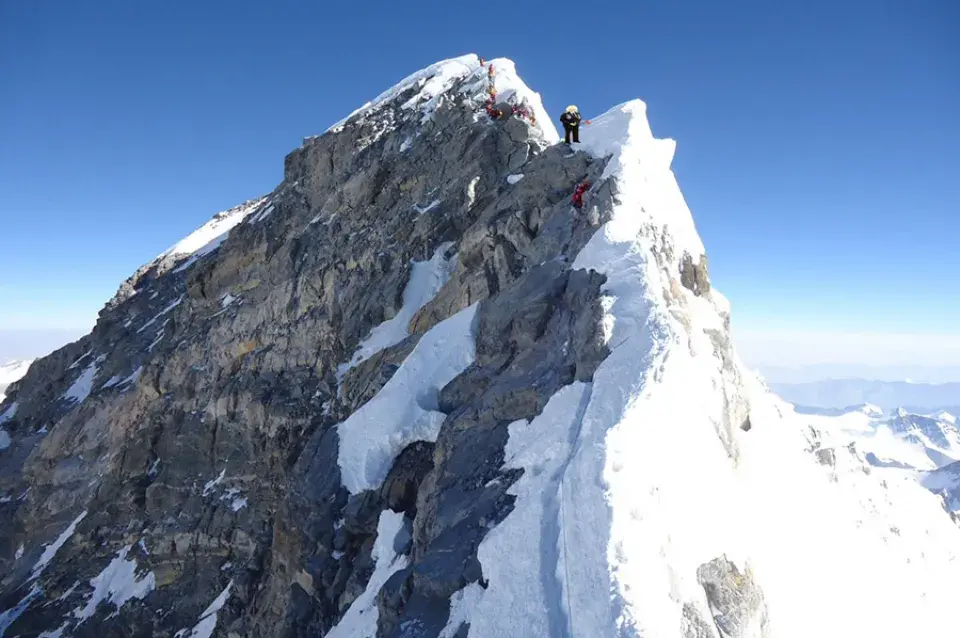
(416, 391)
(870, 410)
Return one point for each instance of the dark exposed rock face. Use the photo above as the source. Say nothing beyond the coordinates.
(203, 433)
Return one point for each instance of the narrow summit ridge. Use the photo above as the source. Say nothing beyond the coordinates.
(450, 378)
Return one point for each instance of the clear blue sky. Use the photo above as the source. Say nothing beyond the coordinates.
(817, 141)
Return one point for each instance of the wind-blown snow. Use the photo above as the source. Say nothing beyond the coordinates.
(361, 618)
(81, 388)
(117, 583)
(52, 549)
(405, 410)
(438, 79)
(208, 237)
(433, 80)
(426, 278)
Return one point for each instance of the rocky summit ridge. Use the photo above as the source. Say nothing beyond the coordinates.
(413, 391)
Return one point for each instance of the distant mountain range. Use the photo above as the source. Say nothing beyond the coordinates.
(888, 395)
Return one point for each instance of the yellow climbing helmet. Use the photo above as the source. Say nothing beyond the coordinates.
(572, 109)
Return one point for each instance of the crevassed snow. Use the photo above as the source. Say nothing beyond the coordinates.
(513, 179)
(208, 619)
(361, 618)
(405, 410)
(426, 278)
(117, 583)
(208, 237)
(81, 388)
(169, 307)
(51, 550)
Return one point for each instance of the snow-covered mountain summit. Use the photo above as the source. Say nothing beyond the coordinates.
(414, 391)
